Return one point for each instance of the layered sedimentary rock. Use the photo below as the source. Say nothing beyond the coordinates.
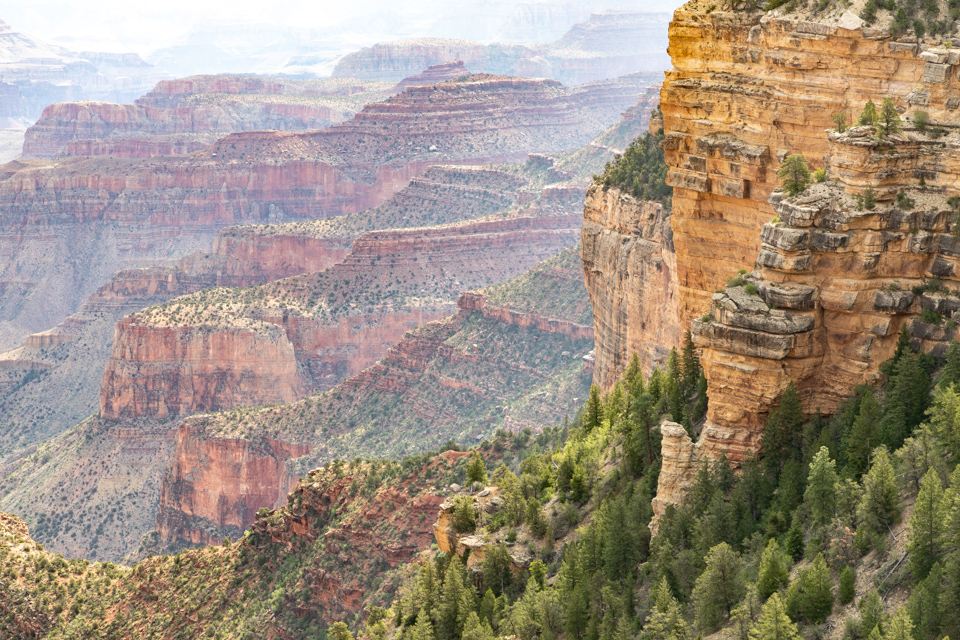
(223, 348)
(605, 46)
(97, 215)
(630, 269)
(496, 364)
(216, 486)
(188, 114)
(836, 275)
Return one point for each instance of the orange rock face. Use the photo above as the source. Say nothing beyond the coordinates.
(216, 485)
(829, 278)
(630, 270)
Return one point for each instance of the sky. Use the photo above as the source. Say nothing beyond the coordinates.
(143, 26)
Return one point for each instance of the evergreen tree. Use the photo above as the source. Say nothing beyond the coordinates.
(862, 438)
(903, 347)
(869, 114)
(880, 506)
(594, 410)
(691, 364)
(949, 602)
(496, 568)
(448, 622)
(423, 629)
(782, 434)
(900, 628)
(794, 173)
(476, 469)
(719, 587)
(888, 122)
(474, 629)
(924, 605)
(918, 455)
(928, 526)
(820, 498)
(487, 606)
(950, 374)
(633, 376)
(774, 624)
(700, 409)
(945, 417)
(665, 621)
(773, 571)
(872, 617)
(906, 403)
(817, 589)
(339, 631)
(848, 586)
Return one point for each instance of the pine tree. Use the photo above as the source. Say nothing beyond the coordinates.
(945, 417)
(880, 506)
(339, 631)
(848, 586)
(888, 121)
(774, 624)
(690, 364)
(448, 607)
(903, 347)
(906, 402)
(634, 375)
(869, 114)
(476, 469)
(872, 617)
(900, 628)
(665, 621)
(816, 586)
(820, 498)
(496, 568)
(487, 606)
(423, 629)
(719, 587)
(928, 526)
(783, 432)
(950, 374)
(794, 173)
(773, 571)
(862, 438)
(474, 629)
(924, 605)
(594, 410)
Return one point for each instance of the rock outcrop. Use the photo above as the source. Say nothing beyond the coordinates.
(606, 45)
(630, 269)
(97, 215)
(188, 114)
(827, 278)
(216, 486)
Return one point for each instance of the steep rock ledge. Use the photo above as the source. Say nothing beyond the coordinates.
(630, 270)
(833, 277)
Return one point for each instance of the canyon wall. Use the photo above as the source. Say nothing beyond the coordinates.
(99, 215)
(188, 114)
(630, 269)
(828, 277)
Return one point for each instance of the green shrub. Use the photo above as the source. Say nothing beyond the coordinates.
(640, 170)
(920, 120)
(929, 316)
(751, 289)
(820, 175)
(905, 202)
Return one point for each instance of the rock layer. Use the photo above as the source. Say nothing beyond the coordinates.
(836, 276)
(98, 215)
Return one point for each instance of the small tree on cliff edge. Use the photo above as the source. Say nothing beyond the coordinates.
(888, 122)
(869, 114)
(476, 469)
(795, 174)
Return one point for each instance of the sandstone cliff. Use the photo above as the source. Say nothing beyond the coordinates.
(630, 269)
(834, 277)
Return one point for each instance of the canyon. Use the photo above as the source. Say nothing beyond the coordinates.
(100, 215)
(188, 114)
(607, 45)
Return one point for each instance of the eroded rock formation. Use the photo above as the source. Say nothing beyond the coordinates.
(631, 270)
(97, 215)
(828, 277)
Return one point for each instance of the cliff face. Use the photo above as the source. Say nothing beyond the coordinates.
(227, 348)
(216, 486)
(630, 269)
(835, 277)
(97, 215)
